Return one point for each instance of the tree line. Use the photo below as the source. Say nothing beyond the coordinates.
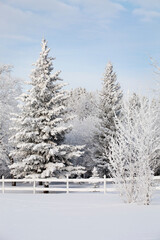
(51, 132)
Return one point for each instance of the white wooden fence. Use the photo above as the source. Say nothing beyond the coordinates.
(67, 185)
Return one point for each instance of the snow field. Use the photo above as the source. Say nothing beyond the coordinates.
(91, 216)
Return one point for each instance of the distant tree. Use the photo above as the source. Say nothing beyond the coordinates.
(41, 127)
(95, 175)
(82, 133)
(10, 88)
(109, 107)
(83, 105)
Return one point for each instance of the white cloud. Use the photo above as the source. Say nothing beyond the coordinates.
(27, 20)
(146, 15)
(14, 20)
(37, 5)
(17, 37)
(34, 16)
(147, 4)
(147, 10)
(97, 13)
(100, 8)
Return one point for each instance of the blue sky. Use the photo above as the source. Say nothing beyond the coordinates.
(83, 36)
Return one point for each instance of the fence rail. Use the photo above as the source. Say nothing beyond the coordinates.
(62, 185)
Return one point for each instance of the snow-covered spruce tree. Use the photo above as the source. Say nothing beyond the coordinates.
(109, 106)
(134, 150)
(40, 150)
(9, 90)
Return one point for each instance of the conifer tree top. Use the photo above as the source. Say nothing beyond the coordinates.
(43, 66)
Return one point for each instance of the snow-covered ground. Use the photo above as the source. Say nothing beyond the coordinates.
(91, 216)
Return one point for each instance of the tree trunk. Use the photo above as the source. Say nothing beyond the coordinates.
(46, 185)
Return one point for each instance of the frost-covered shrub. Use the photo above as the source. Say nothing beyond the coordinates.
(134, 150)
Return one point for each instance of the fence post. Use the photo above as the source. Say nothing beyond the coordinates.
(2, 184)
(104, 184)
(67, 183)
(34, 186)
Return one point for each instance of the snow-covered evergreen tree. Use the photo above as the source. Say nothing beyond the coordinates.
(110, 105)
(9, 90)
(134, 150)
(40, 150)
